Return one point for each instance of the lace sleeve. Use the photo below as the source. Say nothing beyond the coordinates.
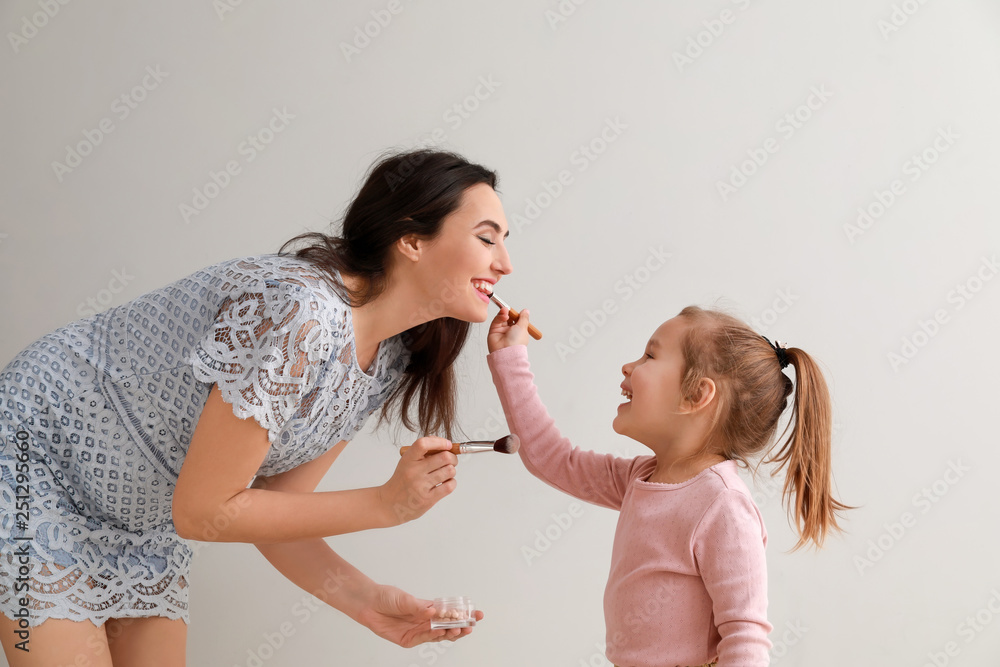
(265, 352)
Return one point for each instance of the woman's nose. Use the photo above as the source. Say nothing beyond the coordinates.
(502, 263)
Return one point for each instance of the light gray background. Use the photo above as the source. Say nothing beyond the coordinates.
(776, 244)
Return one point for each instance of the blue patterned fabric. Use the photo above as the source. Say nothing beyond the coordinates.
(96, 417)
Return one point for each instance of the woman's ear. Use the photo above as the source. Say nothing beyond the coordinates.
(410, 246)
(701, 396)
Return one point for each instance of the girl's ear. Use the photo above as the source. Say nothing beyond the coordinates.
(702, 395)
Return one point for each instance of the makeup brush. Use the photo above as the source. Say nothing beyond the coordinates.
(515, 315)
(505, 445)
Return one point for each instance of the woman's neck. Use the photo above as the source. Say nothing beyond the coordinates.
(392, 312)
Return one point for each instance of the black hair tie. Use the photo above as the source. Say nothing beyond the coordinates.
(779, 350)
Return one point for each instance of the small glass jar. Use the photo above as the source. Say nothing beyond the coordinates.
(453, 613)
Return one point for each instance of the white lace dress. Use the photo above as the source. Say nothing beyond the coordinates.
(96, 418)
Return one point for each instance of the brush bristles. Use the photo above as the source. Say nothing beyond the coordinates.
(507, 444)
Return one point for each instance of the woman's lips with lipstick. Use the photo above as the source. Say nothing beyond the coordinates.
(484, 288)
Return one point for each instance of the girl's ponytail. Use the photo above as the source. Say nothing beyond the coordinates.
(805, 455)
(752, 392)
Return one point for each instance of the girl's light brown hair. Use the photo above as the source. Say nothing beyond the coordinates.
(752, 392)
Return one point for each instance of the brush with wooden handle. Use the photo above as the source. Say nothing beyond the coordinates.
(505, 445)
(515, 315)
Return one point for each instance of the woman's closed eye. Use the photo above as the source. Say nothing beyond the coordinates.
(487, 241)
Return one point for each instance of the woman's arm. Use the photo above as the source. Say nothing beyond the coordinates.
(315, 568)
(212, 502)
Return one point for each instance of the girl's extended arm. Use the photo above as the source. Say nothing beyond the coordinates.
(212, 502)
(596, 478)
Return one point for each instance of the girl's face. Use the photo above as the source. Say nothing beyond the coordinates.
(468, 251)
(653, 383)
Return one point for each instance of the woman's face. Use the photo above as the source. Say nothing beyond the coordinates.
(468, 251)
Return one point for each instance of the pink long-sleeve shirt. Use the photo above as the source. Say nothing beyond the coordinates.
(688, 580)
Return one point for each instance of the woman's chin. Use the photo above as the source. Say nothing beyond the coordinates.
(473, 315)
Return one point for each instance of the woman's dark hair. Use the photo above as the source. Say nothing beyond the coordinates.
(403, 193)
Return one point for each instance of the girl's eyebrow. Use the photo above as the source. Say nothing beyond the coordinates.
(495, 226)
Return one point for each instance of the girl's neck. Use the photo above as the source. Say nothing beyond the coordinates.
(672, 470)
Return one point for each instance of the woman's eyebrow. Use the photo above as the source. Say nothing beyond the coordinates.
(494, 225)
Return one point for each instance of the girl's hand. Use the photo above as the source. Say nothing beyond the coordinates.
(419, 481)
(502, 334)
(405, 620)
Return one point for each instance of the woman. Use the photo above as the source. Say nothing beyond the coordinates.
(129, 432)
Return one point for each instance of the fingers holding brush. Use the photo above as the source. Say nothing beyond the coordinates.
(424, 475)
(505, 333)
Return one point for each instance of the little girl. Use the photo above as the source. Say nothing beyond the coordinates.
(688, 580)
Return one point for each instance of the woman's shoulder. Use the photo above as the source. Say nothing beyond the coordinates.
(279, 281)
(274, 270)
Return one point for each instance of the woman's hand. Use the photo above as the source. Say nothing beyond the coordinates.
(502, 334)
(405, 620)
(422, 478)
